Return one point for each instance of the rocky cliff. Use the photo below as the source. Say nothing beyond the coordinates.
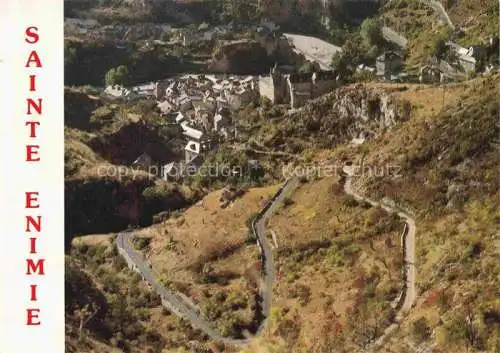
(345, 114)
(241, 57)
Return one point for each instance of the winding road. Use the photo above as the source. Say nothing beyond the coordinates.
(409, 296)
(440, 12)
(177, 305)
(180, 307)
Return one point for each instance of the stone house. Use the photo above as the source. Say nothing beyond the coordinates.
(141, 3)
(466, 57)
(185, 102)
(221, 118)
(296, 88)
(190, 132)
(468, 63)
(165, 107)
(240, 98)
(147, 90)
(161, 88)
(388, 64)
(274, 87)
(300, 86)
(119, 92)
(429, 74)
(323, 82)
(203, 107)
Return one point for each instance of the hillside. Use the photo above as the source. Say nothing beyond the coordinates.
(430, 151)
(445, 165)
(109, 308)
(338, 260)
(449, 165)
(475, 22)
(104, 191)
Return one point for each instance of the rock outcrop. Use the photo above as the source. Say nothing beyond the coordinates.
(345, 114)
(240, 57)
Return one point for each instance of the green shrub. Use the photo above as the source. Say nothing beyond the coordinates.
(302, 293)
(349, 201)
(287, 202)
(421, 330)
(141, 243)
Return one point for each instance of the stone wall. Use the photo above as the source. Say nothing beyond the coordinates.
(304, 87)
(324, 83)
(281, 88)
(296, 89)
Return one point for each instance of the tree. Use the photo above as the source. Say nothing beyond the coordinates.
(421, 330)
(439, 49)
(118, 76)
(119, 314)
(353, 54)
(70, 55)
(122, 75)
(371, 32)
(84, 315)
(463, 329)
(111, 77)
(309, 67)
(240, 10)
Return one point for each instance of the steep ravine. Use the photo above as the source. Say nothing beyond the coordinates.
(106, 205)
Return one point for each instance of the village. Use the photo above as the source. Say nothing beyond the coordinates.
(202, 105)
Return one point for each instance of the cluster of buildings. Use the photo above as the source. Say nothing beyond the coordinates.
(387, 67)
(460, 62)
(200, 106)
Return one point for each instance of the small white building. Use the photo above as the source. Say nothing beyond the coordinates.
(170, 171)
(466, 57)
(145, 90)
(190, 132)
(192, 150)
(180, 118)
